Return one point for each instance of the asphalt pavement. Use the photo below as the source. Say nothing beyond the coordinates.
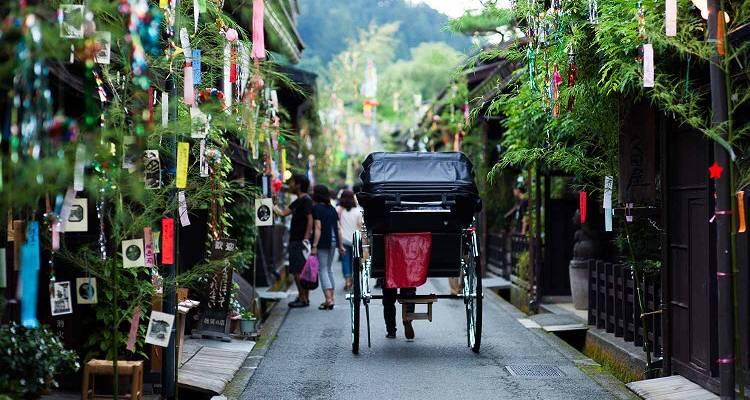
(311, 358)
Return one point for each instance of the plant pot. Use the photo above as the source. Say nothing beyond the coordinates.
(579, 283)
(247, 326)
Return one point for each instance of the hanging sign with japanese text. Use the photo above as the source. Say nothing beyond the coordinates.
(214, 320)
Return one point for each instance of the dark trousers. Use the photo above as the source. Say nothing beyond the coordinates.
(389, 306)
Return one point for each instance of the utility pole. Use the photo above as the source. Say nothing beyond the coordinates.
(723, 207)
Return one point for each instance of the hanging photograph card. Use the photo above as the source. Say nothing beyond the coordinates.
(263, 212)
(70, 19)
(78, 216)
(103, 46)
(152, 169)
(183, 153)
(60, 300)
(132, 253)
(200, 123)
(86, 292)
(159, 328)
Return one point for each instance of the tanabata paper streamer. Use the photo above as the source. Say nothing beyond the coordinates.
(670, 17)
(164, 109)
(196, 66)
(228, 75)
(648, 65)
(184, 219)
(741, 211)
(80, 165)
(582, 199)
(30, 276)
(203, 161)
(167, 241)
(183, 153)
(134, 323)
(148, 248)
(3, 269)
(259, 40)
(608, 181)
(188, 89)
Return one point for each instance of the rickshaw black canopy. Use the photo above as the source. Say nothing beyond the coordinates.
(393, 183)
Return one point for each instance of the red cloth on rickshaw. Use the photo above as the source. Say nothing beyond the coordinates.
(407, 259)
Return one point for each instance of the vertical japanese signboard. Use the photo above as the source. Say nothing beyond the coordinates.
(214, 318)
(637, 177)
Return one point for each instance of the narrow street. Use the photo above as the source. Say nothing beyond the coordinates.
(311, 358)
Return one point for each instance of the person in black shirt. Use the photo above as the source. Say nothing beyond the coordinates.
(327, 228)
(299, 232)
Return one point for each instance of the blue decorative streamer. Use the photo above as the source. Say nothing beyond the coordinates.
(196, 66)
(30, 276)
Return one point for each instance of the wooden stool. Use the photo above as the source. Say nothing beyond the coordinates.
(134, 369)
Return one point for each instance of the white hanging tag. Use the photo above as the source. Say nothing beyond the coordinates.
(196, 15)
(68, 200)
(164, 109)
(185, 42)
(648, 65)
(79, 169)
(670, 17)
(244, 68)
(227, 76)
(607, 203)
(184, 220)
(203, 161)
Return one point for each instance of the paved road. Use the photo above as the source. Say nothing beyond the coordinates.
(311, 358)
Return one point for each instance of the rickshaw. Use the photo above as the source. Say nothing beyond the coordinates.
(409, 197)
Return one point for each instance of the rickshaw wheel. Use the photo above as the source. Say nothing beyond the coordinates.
(356, 298)
(473, 280)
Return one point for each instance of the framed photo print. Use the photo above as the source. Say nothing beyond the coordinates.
(60, 301)
(133, 253)
(159, 328)
(86, 292)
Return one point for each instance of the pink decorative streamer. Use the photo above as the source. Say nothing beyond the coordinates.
(259, 40)
(134, 322)
(188, 84)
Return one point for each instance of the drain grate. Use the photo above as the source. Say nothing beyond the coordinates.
(535, 371)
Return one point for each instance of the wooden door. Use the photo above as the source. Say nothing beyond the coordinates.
(690, 265)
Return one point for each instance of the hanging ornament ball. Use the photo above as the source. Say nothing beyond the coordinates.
(213, 154)
(276, 185)
(715, 170)
(232, 34)
(63, 128)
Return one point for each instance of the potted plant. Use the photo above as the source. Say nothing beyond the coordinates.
(31, 359)
(247, 322)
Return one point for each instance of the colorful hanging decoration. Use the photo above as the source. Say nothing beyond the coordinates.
(29, 276)
(720, 32)
(582, 200)
(607, 203)
(648, 65)
(572, 75)
(715, 171)
(531, 57)
(670, 18)
(259, 45)
(135, 321)
(167, 241)
(593, 12)
(183, 153)
(741, 212)
(557, 80)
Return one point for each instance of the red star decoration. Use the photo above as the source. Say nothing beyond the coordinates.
(715, 170)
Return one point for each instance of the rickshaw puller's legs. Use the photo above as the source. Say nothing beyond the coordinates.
(389, 306)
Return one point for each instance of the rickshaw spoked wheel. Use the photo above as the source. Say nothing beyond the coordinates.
(473, 303)
(355, 300)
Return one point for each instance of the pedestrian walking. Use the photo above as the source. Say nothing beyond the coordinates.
(352, 220)
(327, 228)
(300, 232)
